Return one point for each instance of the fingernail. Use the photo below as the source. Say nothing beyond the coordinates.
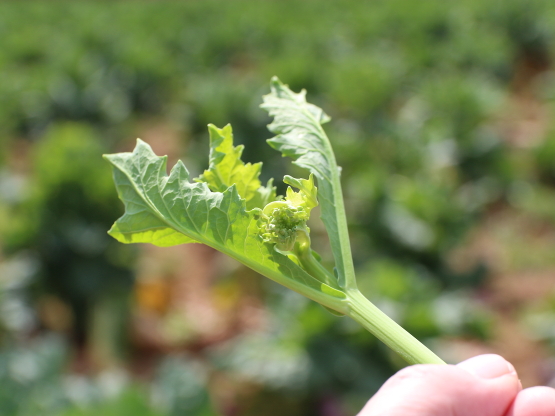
(488, 366)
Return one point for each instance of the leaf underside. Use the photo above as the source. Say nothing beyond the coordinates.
(299, 135)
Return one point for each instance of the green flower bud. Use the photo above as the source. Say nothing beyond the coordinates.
(281, 221)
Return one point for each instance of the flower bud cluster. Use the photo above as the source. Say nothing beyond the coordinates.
(280, 222)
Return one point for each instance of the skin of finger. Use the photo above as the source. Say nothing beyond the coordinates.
(442, 390)
(534, 401)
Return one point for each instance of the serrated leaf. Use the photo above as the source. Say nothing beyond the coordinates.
(167, 210)
(226, 168)
(299, 135)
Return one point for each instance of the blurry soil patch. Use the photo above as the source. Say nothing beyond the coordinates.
(518, 248)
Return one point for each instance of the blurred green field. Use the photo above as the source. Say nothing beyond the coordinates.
(441, 120)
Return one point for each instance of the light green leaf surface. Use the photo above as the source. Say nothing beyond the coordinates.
(300, 136)
(226, 168)
(166, 210)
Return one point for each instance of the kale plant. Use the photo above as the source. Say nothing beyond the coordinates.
(228, 208)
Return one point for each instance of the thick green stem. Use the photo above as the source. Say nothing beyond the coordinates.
(388, 331)
(366, 313)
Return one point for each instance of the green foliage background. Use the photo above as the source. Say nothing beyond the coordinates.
(416, 92)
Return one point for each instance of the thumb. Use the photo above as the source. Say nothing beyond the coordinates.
(484, 385)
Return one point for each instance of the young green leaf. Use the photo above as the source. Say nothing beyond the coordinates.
(306, 197)
(226, 168)
(167, 210)
(298, 126)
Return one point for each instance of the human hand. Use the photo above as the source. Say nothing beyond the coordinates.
(485, 385)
